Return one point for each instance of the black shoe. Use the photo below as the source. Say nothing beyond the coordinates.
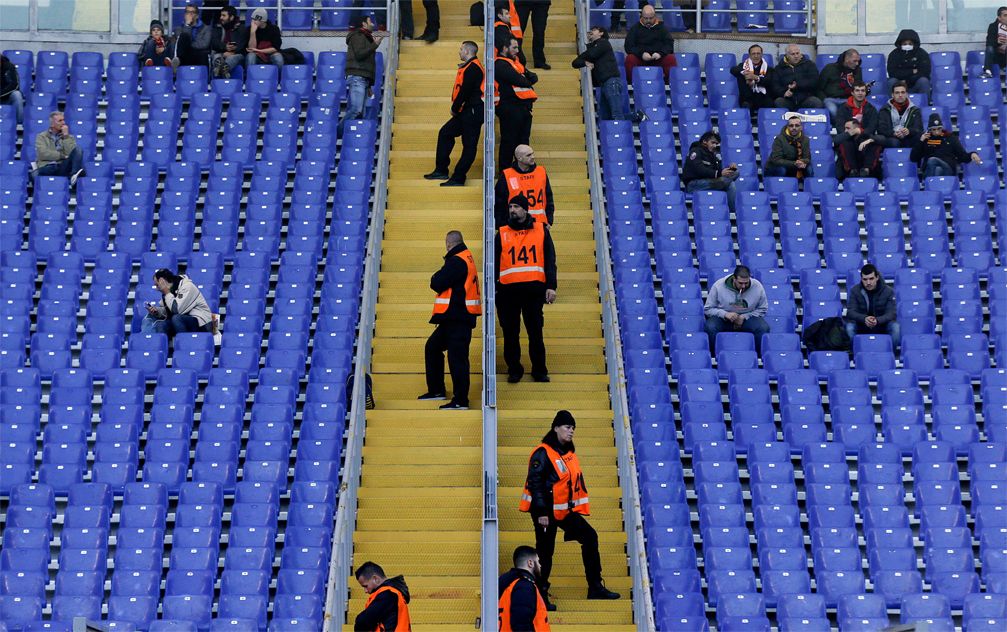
(541, 378)
(453, 405)
(514, 378)
(429, 397)
(598, 591)
(543, 66)
(407, 37)
(451, 182)
(436, 175)
(865, 173)
(429, 37)
(549, 606)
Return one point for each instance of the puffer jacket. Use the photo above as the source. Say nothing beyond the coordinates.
(908, 66)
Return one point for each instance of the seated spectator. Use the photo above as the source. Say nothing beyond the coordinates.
(599, 58)
(909, 63)
(230, 50)
(10, 88)
(56, 151)
(835, 85)
(870, 307)
(791, 153)
(794, 81)
(703, 170)
(649, 43)
(155, 49)
(737, 303)
(264, 41)
(900, 122)
(996, 44)
(858, 108)
(939, 151)
(754, 80)
(193, 39)
(857, 153)
(182, 309)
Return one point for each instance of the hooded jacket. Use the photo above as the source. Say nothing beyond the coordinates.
(185, 299)
(523, 599)
(542, 475)
(452, 276)
(886, 126)
(724, 297)
(384, 610)
(805, 73)
(9, 79)
(649, 39)
(700, 164)
(600, 53)
(901, 64)
(834, 83)
(858, 304)
(361, 49)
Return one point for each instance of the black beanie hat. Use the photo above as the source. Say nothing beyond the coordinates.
(520, 200)
(935, 120)
(156, 23)
(564, 418)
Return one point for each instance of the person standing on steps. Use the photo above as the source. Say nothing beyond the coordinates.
(431, 32)
(361, 53)
(466, 118)
(521, 606)
(525, 281)
(538, 10)
(515, 97)
(503, 31)
(387, 606)
(555, 495)
(599, 58)
(455, 311)
(530, 179)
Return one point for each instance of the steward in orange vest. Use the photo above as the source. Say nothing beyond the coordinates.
(526, 281)
(387, 607)
(455, 310)
(502, 32)
(466, 118)
(556, 496)
(530, 179)
(514, 95)
(522, 608)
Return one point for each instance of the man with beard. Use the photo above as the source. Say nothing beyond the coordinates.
(513, 87)
(387, 606)
(522, 607)
(556, 496)
(791, 153)
(528, 178)
(703, 170)
(232, 44)
(466, 119)
(900, 122)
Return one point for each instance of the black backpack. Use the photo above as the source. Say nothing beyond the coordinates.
(292, 56)
(477, 14)
(828, 334)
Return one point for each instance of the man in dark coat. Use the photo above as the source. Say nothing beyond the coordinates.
(835, 85)
(538, 11)
(996, 44)
(794, 81)
(703, 170)
(649, 43)
(858, 108)
(513, 110)
(524, 603)
(870, 307)
(599, 58)
(900, 123)
(858, 154)
(791, 153)
(230, 43)
(939, 151)
(754, 80)
(466, 120)
(909, 63)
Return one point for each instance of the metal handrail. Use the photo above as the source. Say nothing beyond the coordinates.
(699, 10)
(643, 610)
(341, 558)
(490, 526)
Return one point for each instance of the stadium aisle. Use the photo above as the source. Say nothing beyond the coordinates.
(576, 359)
(420, 494)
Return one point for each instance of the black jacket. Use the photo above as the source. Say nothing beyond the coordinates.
(765, 81)
(600, 53)
(523, 599)
(384, 610)
(550, 258)
(361, 52)
(9, 80)
(452, 275)
(268, 32)
(507, 78)
(237, 34)
(834, 83)
(858, 308)
(501, 208)
(470, 95)
(655, 39)
(949, 150)
(805, 74)
(868, 118)
(886, 127)
(701, 164)
(991, 35)
(542, 476)
(901, 64)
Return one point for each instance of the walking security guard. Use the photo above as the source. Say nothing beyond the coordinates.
(455, 310)
(522, 607)
(530, 179)
(466, 118)
(556, 496)
(514, 97)
(387, 606)
(525, 282)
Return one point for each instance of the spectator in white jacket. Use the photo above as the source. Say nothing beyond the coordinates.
(182, 309)
(737, 303)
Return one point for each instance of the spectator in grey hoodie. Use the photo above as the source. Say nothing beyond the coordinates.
(737, 303)
(182, 309)
(870, 307)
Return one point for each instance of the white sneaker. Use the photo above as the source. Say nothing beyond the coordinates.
(73, 178)
(987, 74)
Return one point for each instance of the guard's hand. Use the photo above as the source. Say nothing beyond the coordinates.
(550, 298)
(543, 521)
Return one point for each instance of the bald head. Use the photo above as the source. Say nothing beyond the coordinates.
(524, 156)
(648, 15)
(793, 54)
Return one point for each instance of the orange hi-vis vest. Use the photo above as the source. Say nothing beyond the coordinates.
(524, 94)
(403, 624)
(532, 186)
(541, 621)
(515, 22)
(569, 493)
(460, 78)
(472, 303)
(522, 254)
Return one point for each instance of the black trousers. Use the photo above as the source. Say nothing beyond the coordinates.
(453, 338)
(406, 18)
(187, 55)
(515, 129)
(851, 159)
(468, 125)
(539, 12)
(575, 528)
(514, 302)
(433, 16)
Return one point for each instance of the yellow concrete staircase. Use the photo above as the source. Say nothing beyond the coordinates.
(420, 495)
(575, 356)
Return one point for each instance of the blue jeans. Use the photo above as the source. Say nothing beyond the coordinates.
(356, 96)
(921, 86)
(275, 59)
(610, 108)
(177, 324)
(779, 171)
(755, 325)
(16, 99)
(937, 167)
(832, 105)
(715, 184)
(66, 167)
(892, 329)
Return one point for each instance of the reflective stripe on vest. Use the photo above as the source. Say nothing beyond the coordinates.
(515, 22)
(402, 621)
(569, 493)
(472, 303)
(525, 94)
(522, 254)
(460, 78)
(541, 621)
(532, 185)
